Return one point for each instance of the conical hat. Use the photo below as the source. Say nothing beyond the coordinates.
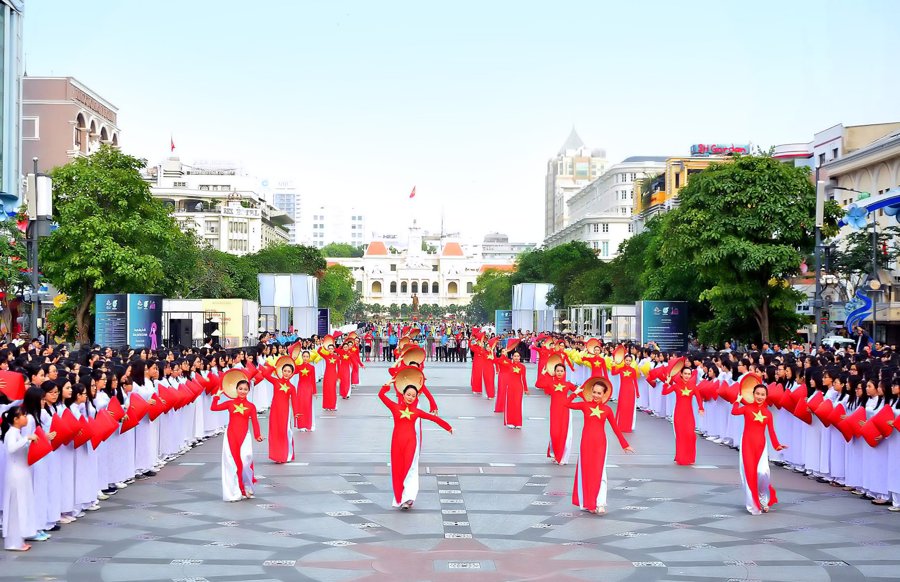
(230, 380)
(413, 353)
(674, 368)
(404, 341)
(591, 344)
(748, 383)
(295, 351)
(619, 354)
(552, 361)
(328, 339)
(407, 376)
(588, 386)
(283, 361)
(512, 343)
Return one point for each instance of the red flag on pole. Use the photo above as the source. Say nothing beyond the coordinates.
(413, 193)
(171, 143)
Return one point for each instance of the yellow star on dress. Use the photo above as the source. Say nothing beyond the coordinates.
(304, 372)
(759, 417)
(595, 411)
(559, 387)
(406, 413)
(332, 361)
(240, 409)
(346, 357)
(285, 387)
(516, 369)
(686, 392)
(598, 363)
(626, 373)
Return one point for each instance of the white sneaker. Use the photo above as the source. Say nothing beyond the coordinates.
(120, 485)
(102, 496)
(93, 507)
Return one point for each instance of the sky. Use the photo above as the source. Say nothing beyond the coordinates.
(358, 102)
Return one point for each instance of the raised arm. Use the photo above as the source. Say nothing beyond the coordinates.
(668, 388)
(737, 409)
(427, 393)
(387, 401)
(610, 416)
(437, 420)
(570, 402)
(218, 406)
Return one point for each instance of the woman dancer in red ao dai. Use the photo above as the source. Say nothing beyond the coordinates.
(754, 460)
(626, 409)
(237, 448)
(560, 416)
(405, 444)
(516, 388)
(683, 421)
(589, 492)
(329, 380)
(281, 439)
(304, 414)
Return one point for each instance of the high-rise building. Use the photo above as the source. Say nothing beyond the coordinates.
(224, 208)
(574, 167)
(62, 119)
(333, 223)
(10, 104)
(285, 197)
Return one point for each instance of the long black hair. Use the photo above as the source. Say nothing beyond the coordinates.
(7, 419)
(33, 403)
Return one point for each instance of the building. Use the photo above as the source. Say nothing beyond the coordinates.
(869, 176)
(286, 198)
(661, 193)
(63, 119)
(444, 277)
(223, 207)
(333, 223)
(600, 214)
(496, 248)
(11, 69)
(831, 144)
(574, 167)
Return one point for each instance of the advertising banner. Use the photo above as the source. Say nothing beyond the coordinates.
(111, 320)
(665, 323)
(144, 321)
(503, 321)
(231, 326)
(323, 322)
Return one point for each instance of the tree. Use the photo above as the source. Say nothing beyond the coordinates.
(394, 310)
(493, 290)
(221, 275)
(744, 226)
(14, 272)
(342, 250)
(852, 259)
(337, 291)
(111, 232)
(287, 258)
(558, 266)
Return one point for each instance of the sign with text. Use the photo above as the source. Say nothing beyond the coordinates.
(664, 323)
(144, 320)
(111, 320)
(323, 322)
(719, 149)
(502, 321)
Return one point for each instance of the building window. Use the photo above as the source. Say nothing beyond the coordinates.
(404, 288)
(834, 154)
(424, 287)
(470, 288)
(434, 268)
(821, 159)
(596, 227)
(359, 286)
(434, 288)
(180, 185)
(452, 288)
(624, 194)
(415, 287)
(605, 250)
(630, 227)
(393, 287)
(605, 227)
(393, 266)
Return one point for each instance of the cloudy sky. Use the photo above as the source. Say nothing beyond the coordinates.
(359, 101)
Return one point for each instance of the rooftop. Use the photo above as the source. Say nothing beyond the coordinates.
(376, 248)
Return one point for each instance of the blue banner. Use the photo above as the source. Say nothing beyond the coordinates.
(144, 321)
(111, 320)
(323, 322)
(502, 321)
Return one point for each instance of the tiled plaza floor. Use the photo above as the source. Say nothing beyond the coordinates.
(491, 507)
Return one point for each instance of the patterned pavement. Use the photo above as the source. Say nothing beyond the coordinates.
(491, 507)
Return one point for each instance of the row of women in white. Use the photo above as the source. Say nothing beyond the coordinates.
(60, 487)
(819, 451)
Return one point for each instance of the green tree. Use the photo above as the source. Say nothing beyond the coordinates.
(394, 310)
(287, 258)
(851, 260)
(337, 291)
(342, 250)
(111, 233)
(558, 266)
(14, 275)
(493, 290)
(744, 226)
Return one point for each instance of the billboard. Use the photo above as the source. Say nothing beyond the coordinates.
(664, 323)
(323, 322)
(111, 320)
(231, 311)
(144, 320)
(502, 321)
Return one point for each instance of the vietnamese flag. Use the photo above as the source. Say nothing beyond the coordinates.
(12, 384)
(40, 448)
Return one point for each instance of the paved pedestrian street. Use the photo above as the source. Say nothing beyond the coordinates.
(491, 507)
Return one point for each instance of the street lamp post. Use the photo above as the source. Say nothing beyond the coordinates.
(40, 210)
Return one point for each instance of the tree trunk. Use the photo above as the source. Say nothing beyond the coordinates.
(761, 314)
(82, 325)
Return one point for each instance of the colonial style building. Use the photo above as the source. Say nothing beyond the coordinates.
(574, 167)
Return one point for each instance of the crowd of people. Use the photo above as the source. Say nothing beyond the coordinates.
(79, 426)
